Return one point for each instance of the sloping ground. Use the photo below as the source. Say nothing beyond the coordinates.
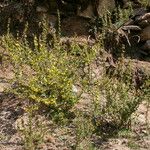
(63, 138)
(10, 110)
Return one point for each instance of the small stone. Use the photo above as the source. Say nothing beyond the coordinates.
(49, 139)
(4, 86)
(74, 89)
(41, 9)
(42, 146)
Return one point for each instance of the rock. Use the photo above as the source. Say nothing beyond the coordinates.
(74, 89)
(80, 40)
(41, 9)
(88, 13)
(140, 65)
(145, 35)
(144, 23)
(128, 3)
(74, 26)
(138, 13)
(52, 20)
(146, 46)
(49, 139)
(99, 6)
(104, 6)
(4, 86)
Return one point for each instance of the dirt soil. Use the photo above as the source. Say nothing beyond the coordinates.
(61, 138)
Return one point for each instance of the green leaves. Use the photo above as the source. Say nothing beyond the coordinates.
(46, 76)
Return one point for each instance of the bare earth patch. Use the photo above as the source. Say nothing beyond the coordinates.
(63, 138)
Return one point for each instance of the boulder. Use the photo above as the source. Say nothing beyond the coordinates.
(144, 23)
(98, 6)
(74, 26)
(87, 13)
(146, 46)
(145, 34)
(104, 6)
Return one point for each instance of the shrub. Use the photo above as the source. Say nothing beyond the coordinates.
(121, 97)
(47, 75)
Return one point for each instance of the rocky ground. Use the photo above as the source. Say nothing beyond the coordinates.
(63, 137)
(135, 31)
